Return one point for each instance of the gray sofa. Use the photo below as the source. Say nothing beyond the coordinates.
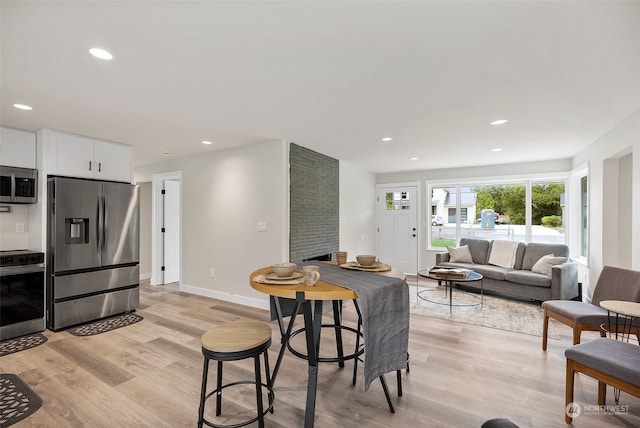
(520, 281)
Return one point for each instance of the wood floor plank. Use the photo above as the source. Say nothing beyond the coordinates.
(148, 375)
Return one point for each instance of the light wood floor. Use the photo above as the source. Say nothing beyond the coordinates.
(148, 375)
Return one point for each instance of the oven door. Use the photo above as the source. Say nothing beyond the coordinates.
(21, 300)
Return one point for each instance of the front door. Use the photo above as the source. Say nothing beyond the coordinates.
(398, 227)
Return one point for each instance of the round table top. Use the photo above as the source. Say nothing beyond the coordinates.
(320, 291)
(622, 307)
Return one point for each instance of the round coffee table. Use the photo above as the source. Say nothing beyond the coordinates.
(448, 288)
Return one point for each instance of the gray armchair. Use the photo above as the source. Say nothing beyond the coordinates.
(613, 284)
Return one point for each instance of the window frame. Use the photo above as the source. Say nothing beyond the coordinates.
(528, 181)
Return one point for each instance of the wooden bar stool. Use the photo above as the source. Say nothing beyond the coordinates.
(233, 342)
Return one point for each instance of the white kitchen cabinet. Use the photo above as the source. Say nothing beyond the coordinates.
(17, 148)
(113, 161)
(76, 156)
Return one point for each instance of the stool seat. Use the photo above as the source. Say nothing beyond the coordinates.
(234, 342)
(236, 337)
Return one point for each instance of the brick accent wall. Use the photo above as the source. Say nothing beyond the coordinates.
(314, 205)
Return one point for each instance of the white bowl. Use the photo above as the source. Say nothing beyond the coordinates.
(366, 259)
(284, 269)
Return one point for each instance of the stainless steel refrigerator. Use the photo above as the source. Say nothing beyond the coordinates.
(93, 233)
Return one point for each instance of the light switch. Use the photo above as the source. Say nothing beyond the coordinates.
(19, 227)
(262, 227)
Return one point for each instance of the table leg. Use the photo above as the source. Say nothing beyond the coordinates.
(312, 349)
(284, 336)
(450, 296)
(337, 321)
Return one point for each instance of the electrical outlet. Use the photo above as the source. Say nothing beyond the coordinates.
(212, 273)
(262, 227)
(19, 227)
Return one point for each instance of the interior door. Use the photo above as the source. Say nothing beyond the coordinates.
(398, 227)
(171, 231)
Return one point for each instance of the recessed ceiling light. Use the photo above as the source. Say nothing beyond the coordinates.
(23, 107)
(499, 122)
(207, 142)
(414, 158)
(496, 150)
(387, 139)
(167, 152)
(100, 53)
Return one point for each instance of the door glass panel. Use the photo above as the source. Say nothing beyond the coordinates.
(397, 201)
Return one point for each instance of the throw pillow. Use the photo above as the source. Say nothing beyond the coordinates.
(460, 254)
(543, 265)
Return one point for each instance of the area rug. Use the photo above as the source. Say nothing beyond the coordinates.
(21, 343)
(17, 400)
(105, 325)
(496, 312)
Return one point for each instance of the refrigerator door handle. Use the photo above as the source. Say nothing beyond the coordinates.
(104, 224)
(99, 237)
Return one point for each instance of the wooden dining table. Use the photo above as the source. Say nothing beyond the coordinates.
(309, 301)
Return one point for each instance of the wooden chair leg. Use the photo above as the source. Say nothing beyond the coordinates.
(545, 329)
(602, 393)
(577, 331)
(569, 384)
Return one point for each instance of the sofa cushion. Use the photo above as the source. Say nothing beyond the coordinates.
(528, 278)
(460, 254)
(491, 271)
(535, 251)
(545, 264)
(479, 249)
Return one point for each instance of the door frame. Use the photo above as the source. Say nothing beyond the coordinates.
(419, 223)
(157, 256)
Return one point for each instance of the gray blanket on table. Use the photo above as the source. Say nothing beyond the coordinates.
(384, 305)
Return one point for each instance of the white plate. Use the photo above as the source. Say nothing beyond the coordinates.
(273, 277)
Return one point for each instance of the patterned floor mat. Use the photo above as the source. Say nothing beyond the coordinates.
(21, 343)
(17, 400)
(105, 325)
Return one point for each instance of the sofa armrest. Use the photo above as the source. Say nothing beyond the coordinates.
(564, 281)
(442, 257)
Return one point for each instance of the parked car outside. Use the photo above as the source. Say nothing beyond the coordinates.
(436, 220)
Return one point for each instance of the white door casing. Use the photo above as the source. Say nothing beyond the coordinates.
(157, 238)
(171, 247)
(398, 235)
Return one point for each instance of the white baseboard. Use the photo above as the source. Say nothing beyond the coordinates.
(227, 297)
(145, 276)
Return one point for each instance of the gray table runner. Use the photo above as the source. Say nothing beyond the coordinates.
(384, 304)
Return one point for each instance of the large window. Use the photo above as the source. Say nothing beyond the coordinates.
(520, 210)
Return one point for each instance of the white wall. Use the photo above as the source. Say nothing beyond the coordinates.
(225, 194)
(145, 230)
(10, 238)
(619, 142)
(357, 211)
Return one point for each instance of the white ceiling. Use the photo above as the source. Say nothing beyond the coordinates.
(333, 76)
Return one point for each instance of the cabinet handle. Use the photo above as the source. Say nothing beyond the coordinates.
(89, 165)
(99, 166)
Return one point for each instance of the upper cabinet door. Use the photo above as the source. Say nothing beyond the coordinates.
(76, 156)
(72, 155)
(113, 161)
(17, 148)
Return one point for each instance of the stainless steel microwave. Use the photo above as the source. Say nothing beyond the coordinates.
(18, 185)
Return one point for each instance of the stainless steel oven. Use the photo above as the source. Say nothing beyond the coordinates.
(22, 285)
